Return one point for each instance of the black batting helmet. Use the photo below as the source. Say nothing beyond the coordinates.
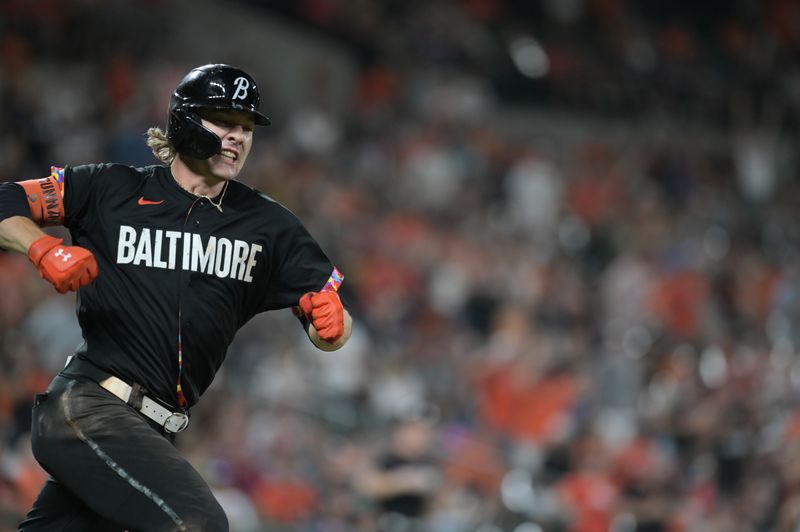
(212, 87)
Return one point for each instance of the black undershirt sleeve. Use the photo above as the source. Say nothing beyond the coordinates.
(13, 201)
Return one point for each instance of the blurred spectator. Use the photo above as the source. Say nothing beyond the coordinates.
(404, 478)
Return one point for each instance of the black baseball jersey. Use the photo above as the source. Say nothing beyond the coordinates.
(178, 277)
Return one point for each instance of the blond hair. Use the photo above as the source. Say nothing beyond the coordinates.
(159, 143)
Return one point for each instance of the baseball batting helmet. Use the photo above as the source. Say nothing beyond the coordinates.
(211, 87)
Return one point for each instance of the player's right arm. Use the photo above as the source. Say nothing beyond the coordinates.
(17, 233)
(25, 207)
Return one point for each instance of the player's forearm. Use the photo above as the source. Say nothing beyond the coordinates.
(332, 346)
(17, 233)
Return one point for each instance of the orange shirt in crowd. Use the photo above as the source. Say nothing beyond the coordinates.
(285, 500)
(534, 411)
(590, 498)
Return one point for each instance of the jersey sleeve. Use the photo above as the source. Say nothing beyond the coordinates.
(81, 185)
(57, 199)
(300, 266)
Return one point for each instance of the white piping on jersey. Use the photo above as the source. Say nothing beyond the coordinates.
(158, 248)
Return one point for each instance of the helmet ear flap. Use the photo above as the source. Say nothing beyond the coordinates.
(188, 136)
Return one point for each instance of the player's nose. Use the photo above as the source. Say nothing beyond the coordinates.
(236, 133)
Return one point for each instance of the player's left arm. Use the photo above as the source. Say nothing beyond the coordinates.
(329, 323)
(299, 282)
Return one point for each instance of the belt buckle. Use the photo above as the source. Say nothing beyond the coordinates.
(178, 420)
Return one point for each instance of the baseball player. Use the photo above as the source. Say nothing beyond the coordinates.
(168, 262)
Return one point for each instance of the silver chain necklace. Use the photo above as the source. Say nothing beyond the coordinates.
(218, 205)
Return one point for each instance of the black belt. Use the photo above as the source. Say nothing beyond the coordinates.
(133, 395)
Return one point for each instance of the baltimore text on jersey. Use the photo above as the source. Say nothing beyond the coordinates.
(158, 248)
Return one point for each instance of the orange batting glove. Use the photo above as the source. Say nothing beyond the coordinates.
(325, 312)
(65, 267)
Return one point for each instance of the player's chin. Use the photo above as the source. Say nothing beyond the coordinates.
(225, 169)
(228, 174)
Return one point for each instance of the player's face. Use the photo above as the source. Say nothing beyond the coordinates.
(235, 129)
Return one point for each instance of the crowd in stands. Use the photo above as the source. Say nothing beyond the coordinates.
(592, 333)
(699, 61)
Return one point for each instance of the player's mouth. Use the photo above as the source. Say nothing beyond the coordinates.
(229, 154)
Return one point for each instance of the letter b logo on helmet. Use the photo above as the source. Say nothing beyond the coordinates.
(211, 87)
(241, 88)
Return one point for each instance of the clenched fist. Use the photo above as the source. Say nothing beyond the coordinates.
(325, 312)
(65, 267)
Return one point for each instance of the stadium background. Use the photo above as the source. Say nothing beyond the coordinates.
(569, 234)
